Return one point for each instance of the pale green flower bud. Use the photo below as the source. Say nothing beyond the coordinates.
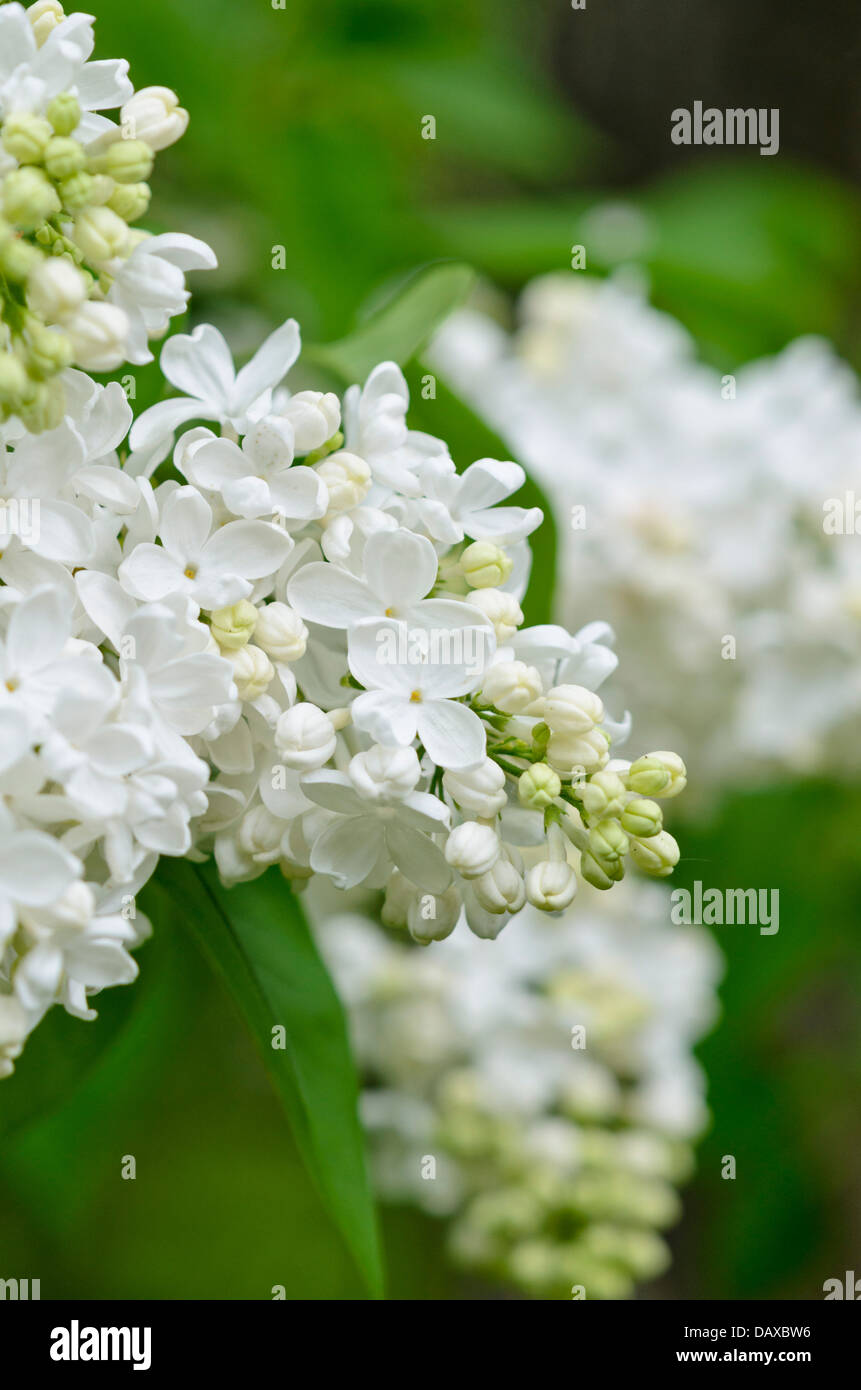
(64, 157)
(597, 874)
(78, 192)
(18, 259)
(603, 794)
(25, 137)
(127, 161)
(657, 855)
(608, 842)
(399, 895)
(13, 380)
(551, 885)
(29, 198)
(511, 686)
(642, 818)
(677, 771)
(233, 626)
(130, 200)
(485, 565)
(49, 350)
(538, 786)
(572, 709)
(45, 407)
(100, 234)
(64, 113)
(648, 776)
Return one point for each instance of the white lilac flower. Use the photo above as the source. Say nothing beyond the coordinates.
(711, 517)
(280, 661)
(77, 283)
(542, 1097)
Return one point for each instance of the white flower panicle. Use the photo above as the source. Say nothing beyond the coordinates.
(713, 519)
(541, 1096)
(79, 284)
(272, 653)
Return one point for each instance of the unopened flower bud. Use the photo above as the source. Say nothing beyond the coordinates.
(64, 113)
(608, 842)
(677, 771)
(314, 416)
(479, 790)
(44, 407)
(648, 776)
(13, 380)
(572, 709)
(511, 686)
(155, 116)
(604, 794)
(64, 157)
(656, 856)
(485, 565)
(304, 737)
(642, 818)
(347, 478)
(385, 774)
(48, 350)
(99, 333)
(260, 835)
(472, 849)
(44, 17)
(127, 161)
(25, 137)
(501, 888)
(233, 626)
(551, 885)
(433, 917)
(29, 198)
(130, 200)
(18, 259)
(78, 191)
(252, 671)
(538, 786)
(100, 234)
(280, 632)
(400, 894)
(501, 608)
(597, 874)
(56, 289)
(569, 752)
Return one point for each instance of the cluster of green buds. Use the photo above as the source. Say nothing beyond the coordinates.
(607, 809)
(66, 214)
(572, 1208)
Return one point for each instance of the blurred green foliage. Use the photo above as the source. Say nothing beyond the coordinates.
(306, 134)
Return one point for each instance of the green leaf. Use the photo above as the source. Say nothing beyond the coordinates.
(256, 938)
(396, 331)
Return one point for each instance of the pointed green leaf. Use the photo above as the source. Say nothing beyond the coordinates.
(258, 942)
(401, 327)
